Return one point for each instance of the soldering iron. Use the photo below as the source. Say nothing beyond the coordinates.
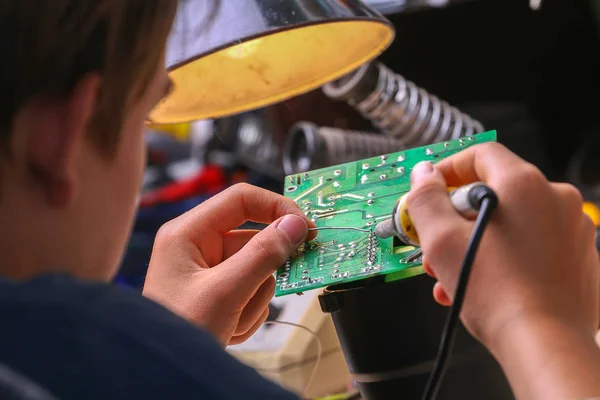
(475, 200)
(466, 200)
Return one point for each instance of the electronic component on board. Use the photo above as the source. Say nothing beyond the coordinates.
(347, 202)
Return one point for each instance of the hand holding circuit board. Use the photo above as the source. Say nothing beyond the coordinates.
(218, 276)
(347, 202)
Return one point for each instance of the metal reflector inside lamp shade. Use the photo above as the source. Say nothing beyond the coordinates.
(251, 53)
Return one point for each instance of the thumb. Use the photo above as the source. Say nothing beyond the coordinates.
(429, 202)
(442, 231)
(265, 252)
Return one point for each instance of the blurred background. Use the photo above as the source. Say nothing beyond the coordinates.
(532, 75)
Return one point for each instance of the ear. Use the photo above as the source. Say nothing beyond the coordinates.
(57, 131)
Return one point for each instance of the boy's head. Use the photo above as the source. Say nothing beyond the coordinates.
(77, 82)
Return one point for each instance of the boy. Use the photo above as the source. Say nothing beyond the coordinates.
(78, 81)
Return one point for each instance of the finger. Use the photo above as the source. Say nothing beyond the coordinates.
(260, 257)
(485, 162)
(429, 196)
(571, 202)
(234, 241)
(255, 307)
(427, 268)
(242, 338)
(234, 206)
(429, 204)
(570, 197)
(442, 231)
(440, 295)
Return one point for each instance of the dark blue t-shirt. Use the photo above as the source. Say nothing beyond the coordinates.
(82, 340)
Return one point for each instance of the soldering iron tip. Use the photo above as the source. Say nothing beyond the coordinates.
(385, 229)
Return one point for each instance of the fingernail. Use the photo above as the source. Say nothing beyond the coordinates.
(421, 170)
(294, 227)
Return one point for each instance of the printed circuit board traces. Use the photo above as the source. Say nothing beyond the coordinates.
(346, 202)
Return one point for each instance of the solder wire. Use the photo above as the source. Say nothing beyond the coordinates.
(340, 227)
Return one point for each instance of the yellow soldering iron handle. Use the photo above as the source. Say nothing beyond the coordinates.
(408, 233)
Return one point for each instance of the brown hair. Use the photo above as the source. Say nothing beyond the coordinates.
(47, 46)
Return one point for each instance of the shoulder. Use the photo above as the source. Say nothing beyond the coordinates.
(61, 328)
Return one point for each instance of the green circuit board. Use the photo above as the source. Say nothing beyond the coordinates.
(352, 199)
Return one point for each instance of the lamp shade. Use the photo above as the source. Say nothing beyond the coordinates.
(246, 54)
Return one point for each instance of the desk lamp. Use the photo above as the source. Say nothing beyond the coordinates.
(246, 54)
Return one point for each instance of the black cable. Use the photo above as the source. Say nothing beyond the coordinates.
(488, 201)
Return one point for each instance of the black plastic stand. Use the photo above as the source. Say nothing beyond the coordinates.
(390, 334)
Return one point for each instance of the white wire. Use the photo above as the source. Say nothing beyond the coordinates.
(319, 349)
(338, 227)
